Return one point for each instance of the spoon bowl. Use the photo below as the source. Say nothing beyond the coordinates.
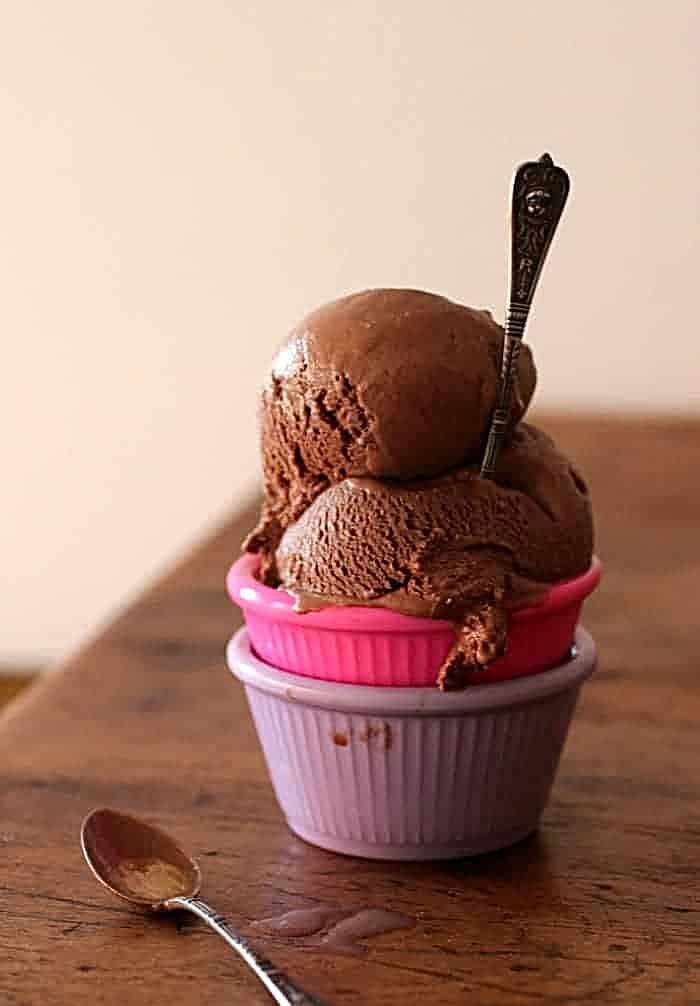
(137, 861)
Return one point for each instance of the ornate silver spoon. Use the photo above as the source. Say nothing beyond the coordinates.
(540, 189)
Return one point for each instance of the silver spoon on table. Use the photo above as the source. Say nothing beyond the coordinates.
(143, 865)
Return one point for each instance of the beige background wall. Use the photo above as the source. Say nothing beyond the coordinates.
(181, 181)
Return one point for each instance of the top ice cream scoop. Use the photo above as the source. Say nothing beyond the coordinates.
(386, 383)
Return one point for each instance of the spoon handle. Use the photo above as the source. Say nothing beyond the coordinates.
(282, 989)
(540, 189)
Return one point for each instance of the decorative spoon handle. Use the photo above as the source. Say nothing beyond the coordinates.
(281, 988)
(540, 189)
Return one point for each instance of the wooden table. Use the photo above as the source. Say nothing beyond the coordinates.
(601, 907)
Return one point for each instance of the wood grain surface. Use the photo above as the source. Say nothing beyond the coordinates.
(602, 906)
(11, 684)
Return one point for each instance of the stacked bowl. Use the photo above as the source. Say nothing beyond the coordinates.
(368, 757)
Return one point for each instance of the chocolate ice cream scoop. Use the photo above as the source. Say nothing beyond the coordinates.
(374, 419)
(458, 546)
(387, 384)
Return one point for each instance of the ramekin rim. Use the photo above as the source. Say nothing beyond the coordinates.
(427, 700)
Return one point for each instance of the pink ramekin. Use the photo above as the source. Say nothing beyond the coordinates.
(376, 646)
(411, 773)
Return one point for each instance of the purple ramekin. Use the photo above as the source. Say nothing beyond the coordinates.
(412, 773)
